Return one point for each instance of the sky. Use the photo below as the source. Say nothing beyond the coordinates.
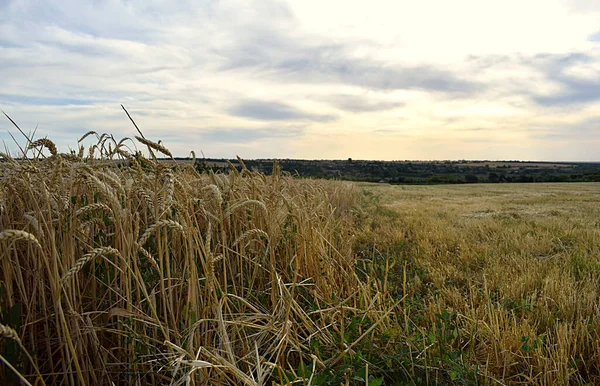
(311, 79)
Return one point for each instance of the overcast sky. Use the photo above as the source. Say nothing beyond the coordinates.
(324, 79)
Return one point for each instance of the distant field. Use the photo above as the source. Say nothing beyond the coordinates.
(496, 164)
(518, 199)
(502, 280)
(427, 172)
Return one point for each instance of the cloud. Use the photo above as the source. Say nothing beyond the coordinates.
(244, 135)
(251, 73)
(373, 75)
(587, 6)
(10, 99)
(576, 92)
(577, 74)
(473, 129)
(274, 111)
(585, 130)
(283, 58)
(360, 104)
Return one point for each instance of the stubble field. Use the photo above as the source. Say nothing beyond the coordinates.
(505, 276)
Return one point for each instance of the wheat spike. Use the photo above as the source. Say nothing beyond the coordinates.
(92, 207)
(32, 221)
(87, 134)
(70, 157)
(149, 257)
(250, 233)
(102, 251)
(48, 144)
(217, 193)
(14, 235)
(244, 203)
(157, 225)
(155, 146)
(8, 332)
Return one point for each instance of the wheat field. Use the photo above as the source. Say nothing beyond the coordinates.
(120, 269)
(503, 279)
(117, 268)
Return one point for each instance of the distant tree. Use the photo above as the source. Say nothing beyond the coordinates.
(525, 178)
(493, 177)
(471, 179)
(201, 165)
(349, 160)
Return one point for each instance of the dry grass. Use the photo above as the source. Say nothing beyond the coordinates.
(517, 267)
(153, 274)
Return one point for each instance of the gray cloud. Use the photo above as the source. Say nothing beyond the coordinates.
(577, 92)
(367, 73)
(274, 111)
(277, 55)
(574, 90)
(360, 104)
(69, 64)
(133, 20)
(554, 68)
(245, 135)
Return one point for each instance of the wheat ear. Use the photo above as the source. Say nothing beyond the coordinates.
(14, 235)
(102, 251)
(155, 146)
(46, 143)
(157, 225)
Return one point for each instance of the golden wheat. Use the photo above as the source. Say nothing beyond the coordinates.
(10, 235)
(158, 225)
(48, 144)
(185, 269)
(9, 333)
(102, 251)
(155, 146)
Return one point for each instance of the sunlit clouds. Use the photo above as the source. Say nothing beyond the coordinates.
(310, 79)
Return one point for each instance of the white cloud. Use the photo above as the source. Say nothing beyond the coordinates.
(379, 79)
